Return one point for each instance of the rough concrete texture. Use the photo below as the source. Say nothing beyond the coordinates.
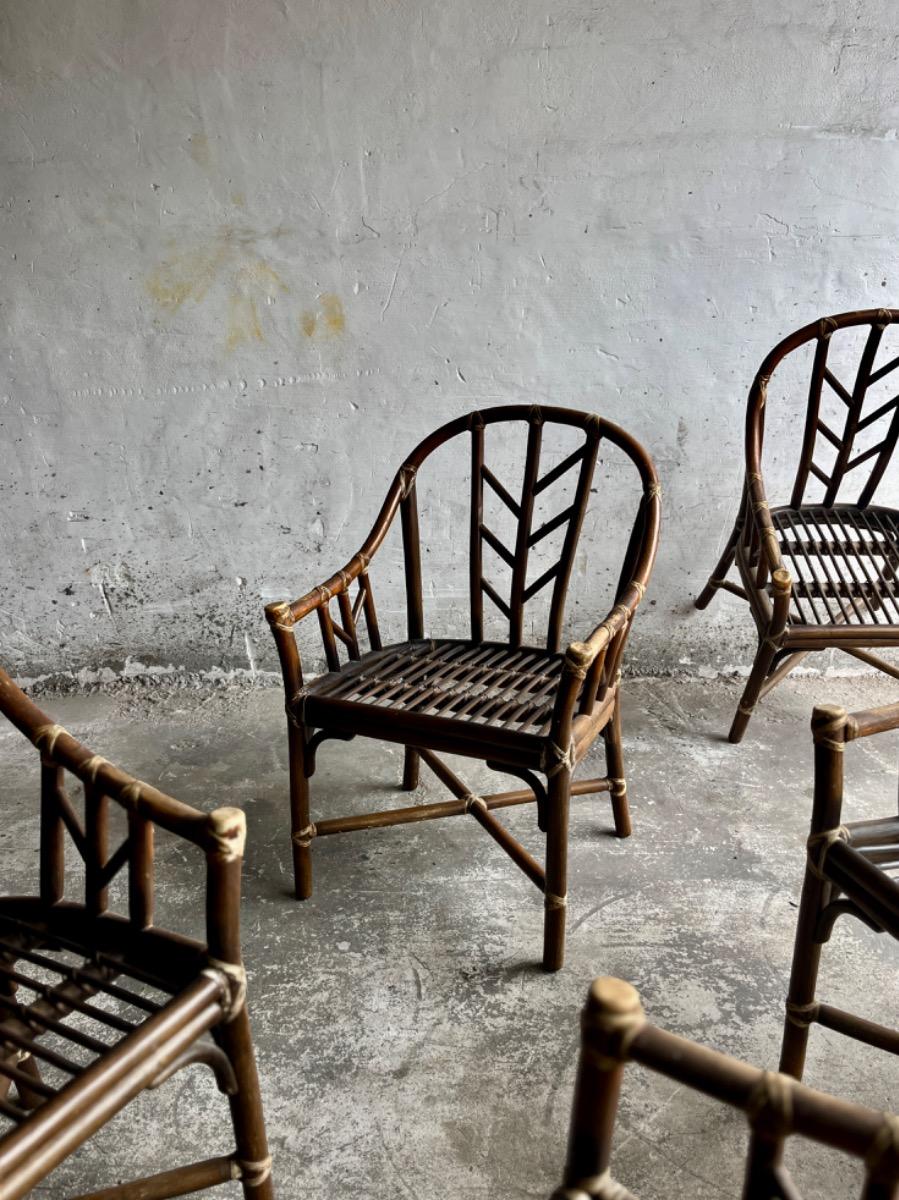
(409, 1045)
(252, 252)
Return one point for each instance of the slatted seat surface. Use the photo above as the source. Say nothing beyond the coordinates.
(62, 1008)
(486, 684)
(844, 563)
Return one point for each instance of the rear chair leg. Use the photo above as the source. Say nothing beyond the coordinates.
(760, 668)
(556, 897)
(410, 770)
(615, 771)
(252, 1154)
(300, 825)
(725, 563)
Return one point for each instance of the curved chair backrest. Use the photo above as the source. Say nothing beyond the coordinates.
(519, 501)
(844, 460)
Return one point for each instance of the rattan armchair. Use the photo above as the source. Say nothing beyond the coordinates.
(614, 1031)
(527, 710)
(96, 1007)
(820, 571)
(850, 871)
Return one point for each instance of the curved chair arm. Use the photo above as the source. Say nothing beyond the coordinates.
(285, 614)
(756, 501)
(584, 660)
(759, 512)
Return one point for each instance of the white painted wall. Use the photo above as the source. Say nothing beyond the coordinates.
(245, 242)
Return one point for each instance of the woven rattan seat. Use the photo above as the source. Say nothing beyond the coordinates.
(850, 871)
(843, 562)
(821, 571)
(96, 1007)
(466, 684)
(519, 704)
(64, 1005)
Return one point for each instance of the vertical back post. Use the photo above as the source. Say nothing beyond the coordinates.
(96, 821)
(227, 829)
(412, 559)
(475, 562)
(52, 853)
(612, 1017)
(140, 871)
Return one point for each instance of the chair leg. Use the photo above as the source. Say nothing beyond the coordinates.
(763, 660)
(246, 1109)
(803, 975)
(410, 770)
(300, 831)
(615, 771)
(725, 562)
(556, 897)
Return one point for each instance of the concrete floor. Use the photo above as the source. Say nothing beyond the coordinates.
(408, 1045)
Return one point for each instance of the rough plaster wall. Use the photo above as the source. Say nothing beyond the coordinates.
(253, 251)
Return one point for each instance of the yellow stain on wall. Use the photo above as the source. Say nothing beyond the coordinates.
(251, 282)
(333, 320)
(243, 322)
(186, 276)
(258, 275)
(189, 275)
(332, 311)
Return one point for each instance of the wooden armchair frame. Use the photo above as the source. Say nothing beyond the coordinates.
(826, 574)
(614, 1031)
(522, 710)
(845, 875)
(141, 999)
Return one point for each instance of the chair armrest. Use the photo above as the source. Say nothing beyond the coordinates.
(759, 512)
(284, 614)
(580, 661)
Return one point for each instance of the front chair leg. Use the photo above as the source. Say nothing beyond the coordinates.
(556, 896)
(760, 668)
(615, 772)
(252, 1156)
(300, 826)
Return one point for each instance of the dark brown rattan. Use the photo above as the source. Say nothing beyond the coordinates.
(96, 1007)
(850, 871)
(525, 710)
(614, 1031)
(826, 574)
